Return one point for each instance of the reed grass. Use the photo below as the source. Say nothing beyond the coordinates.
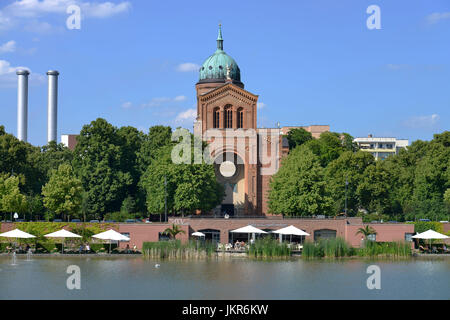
(385, 249)
(268, 248)
(327, 248)
(177, 250)
(338, 247)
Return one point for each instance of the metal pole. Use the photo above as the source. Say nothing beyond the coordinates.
(165, 198)
(346, 184)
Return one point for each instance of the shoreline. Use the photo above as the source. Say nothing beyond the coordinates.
(221, 254)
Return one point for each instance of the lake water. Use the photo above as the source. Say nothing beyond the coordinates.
(230, 278)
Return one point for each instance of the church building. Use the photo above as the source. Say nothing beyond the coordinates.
(248, 156)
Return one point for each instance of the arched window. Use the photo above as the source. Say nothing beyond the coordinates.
(240, 118)
(216, 118)
(228, 117)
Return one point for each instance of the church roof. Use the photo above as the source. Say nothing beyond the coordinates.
(219, 66)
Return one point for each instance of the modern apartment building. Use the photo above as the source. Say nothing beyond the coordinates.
(381, 148)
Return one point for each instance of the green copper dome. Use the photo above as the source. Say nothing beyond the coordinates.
(219, 66)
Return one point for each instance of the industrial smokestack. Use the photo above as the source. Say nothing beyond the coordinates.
(22, 105)
(52, 109)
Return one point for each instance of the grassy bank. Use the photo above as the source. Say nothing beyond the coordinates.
(338, 248)
(177, 250)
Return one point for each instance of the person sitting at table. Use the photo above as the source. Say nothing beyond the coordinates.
(87, 248)
(237, 245)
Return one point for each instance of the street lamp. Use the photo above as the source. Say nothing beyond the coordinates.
(165, 198)
(346, 186)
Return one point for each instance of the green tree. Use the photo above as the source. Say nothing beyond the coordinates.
(189, 187)
(374, 188)
(15, 158)
(100, 162)
(431, 180)
(174, 231)
(63, 192)
(157, 137)
(327, 148)
(297, 137)
(299, 188)
(447, 198)
(11, 200)
(349, 167)
(366, 231)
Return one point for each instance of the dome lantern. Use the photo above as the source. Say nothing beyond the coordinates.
(220, 67)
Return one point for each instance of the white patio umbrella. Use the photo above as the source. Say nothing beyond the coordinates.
(111, 235)
(198, 234)
(17, 234)
(62, 234)
(291, 230)
(430, 234)
(250, 230)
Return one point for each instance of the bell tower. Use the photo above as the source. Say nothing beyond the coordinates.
(228, 112)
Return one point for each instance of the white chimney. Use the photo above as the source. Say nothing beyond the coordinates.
(52, 109)
(22, 105)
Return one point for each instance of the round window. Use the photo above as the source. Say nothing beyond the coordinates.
(227, 169)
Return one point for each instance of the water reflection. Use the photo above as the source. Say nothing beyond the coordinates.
(237, 278)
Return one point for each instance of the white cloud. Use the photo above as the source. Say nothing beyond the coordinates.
(189, 114)
(179, 98)
(127, 105)
(418, 122)
(9, 46)
(261, 105)
(156, 102)
(188, 67)
(437, 16)
(398, 66)
(37, 8)
(8, 77)
(21, 11)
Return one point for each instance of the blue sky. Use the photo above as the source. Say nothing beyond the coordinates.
(311, 62)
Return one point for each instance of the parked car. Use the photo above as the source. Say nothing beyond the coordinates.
(94, 221)
(76, 220)
(130, 221)
(425, 220)
(20, 220)
(57, 220)
(110, 221)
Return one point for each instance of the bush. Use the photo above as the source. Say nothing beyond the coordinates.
(102, 247)
(421, 226)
